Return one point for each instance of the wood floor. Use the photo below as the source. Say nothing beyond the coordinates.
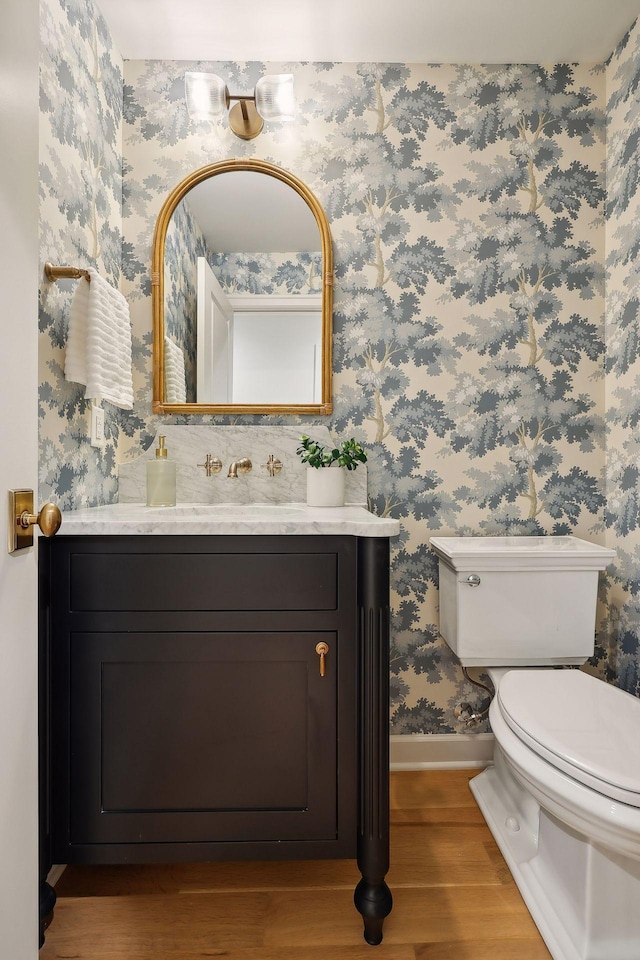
(454, 898)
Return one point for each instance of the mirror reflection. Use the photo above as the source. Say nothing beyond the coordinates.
(244, 318)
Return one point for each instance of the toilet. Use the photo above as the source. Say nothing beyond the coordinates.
(562, 796)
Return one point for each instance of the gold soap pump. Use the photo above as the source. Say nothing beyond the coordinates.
(161, 478)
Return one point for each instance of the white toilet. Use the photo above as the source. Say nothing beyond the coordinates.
(562, 797)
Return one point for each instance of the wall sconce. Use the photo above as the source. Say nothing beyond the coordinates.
(208, 98)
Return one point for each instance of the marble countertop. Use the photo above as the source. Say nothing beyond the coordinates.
(206, 519)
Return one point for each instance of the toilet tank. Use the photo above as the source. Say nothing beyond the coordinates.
(516, 601)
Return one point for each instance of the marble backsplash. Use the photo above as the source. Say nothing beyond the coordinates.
(189, 446)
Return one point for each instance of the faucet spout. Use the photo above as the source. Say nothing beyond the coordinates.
(239, 466)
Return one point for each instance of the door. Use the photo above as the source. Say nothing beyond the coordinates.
(214, 340)
(276, 356)
(18, 468)
(202, 737)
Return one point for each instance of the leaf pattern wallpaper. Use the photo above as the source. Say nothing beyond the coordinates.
(469, 208)
(184, 243)
(619, 651)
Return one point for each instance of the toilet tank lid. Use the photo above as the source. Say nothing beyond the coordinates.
(512, 553)
(581, 725)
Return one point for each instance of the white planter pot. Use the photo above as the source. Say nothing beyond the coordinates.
(325, 486)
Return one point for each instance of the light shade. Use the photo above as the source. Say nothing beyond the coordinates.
(207, 95)
(274, 97)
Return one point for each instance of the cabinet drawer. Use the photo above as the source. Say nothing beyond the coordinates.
(204, 581)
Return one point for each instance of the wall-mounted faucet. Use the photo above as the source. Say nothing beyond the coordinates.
(211, 465)
(239, 466)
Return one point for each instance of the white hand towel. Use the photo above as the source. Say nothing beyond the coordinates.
(99, 342)
(175, 389)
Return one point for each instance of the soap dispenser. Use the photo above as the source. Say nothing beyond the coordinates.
(161, 479)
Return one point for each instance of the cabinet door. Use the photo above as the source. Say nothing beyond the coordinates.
(202, 737)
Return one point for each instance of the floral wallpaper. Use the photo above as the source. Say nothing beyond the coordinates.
(467, 212)
(467, 208)
(80, 225)
(282, 274)
(184, 243)
(620, 645)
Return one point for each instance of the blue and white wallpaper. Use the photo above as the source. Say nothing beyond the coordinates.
(184, 243)
(281, 274)
(467, 208)
(620, 644)
(80, 225)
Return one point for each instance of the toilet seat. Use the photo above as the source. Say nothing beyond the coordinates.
(582, 726)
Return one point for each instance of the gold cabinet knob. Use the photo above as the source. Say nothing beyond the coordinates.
(49, 519)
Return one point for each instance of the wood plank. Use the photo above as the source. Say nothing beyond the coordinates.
(517, 949)
(419, 915)
(431, 788)
(153, 927)
(421, 857)
(433, 796)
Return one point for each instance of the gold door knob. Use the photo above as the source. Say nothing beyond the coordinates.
(49, 519)
(22, 519)
(322, 649)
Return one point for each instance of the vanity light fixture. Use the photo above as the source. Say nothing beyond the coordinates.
(208, 98)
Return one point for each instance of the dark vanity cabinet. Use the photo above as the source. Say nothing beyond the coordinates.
(217, 698)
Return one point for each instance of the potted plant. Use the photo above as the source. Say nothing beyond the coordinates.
(325, 488)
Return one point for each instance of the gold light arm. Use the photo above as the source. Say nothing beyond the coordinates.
(244, 119)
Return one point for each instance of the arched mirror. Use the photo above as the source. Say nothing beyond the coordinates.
(242, 274)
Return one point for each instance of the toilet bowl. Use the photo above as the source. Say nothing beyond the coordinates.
(571, 843)
(562, 796)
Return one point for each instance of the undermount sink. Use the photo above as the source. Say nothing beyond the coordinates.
(223, 510)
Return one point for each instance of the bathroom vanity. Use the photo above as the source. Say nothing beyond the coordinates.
(215, 687)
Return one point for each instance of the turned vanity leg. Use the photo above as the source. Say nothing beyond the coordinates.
(372, 896)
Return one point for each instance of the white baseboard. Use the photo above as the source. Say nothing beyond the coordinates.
(440, 751)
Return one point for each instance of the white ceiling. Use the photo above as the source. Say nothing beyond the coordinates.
(248, 211)
(406, 31)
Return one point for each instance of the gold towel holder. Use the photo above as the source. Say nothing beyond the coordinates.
(63, 273)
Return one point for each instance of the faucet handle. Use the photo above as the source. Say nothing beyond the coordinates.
(273, 465)
(211, 465)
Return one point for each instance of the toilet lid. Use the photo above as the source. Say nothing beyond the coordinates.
(583, 726)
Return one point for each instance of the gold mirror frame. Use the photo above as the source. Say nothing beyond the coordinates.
(157, 293)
